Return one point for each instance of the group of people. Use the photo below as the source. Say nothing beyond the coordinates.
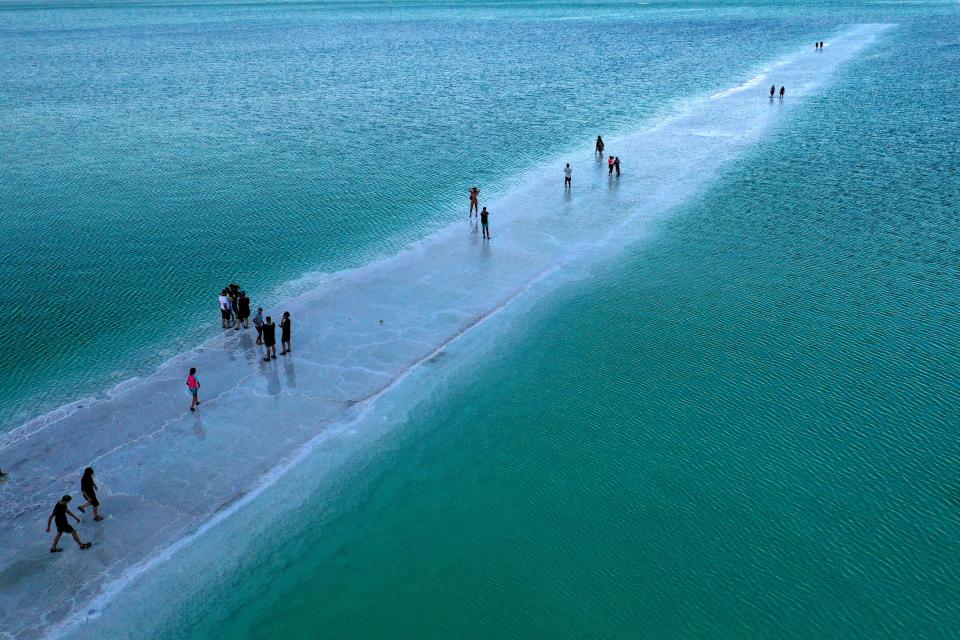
(88, 489)
(235, 311)
(234, 307)
(773, 91)
(613, 162)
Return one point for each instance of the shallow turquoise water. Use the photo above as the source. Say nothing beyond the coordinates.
(150, 154)
(743, 427)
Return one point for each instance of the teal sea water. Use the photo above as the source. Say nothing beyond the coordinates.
(742, 426)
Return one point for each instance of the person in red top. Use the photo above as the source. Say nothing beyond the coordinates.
(610, 165)
(193, 386)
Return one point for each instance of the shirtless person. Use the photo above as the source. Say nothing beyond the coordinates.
(474, 200)
(60, 513)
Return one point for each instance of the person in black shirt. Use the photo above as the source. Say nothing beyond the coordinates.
(484, 218)
(60, 513)
(285, 334)
(243, 304)
(270, 338)
(89, 490)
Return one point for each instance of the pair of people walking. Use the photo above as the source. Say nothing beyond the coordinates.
(613, 164)
(818, 45)
(88, 488)
(773, 90)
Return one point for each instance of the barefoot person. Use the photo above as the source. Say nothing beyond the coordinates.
(567, 176)
(773, 90)
(88, 488)
(782, 91)
(270, 338)
(258, 324)
(193, 387)
(243, 302)
(600, 146)
(610, 165)
(285, 334)
(474, 200)
(224, 309)
(60, 513)
(616, 165)
(484, 220)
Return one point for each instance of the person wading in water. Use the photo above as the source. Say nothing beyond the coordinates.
(599, 146)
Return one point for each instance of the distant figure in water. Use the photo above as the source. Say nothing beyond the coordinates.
(782, 91)
(258, 324)
(616, 165)
(88, 488)
(610, 165)
(567, 176)
(60, 513)
(474, 200)
(773, 89)
(285, 334)
(270, 338)
(599, 146)
(193, 387)
(484, 222)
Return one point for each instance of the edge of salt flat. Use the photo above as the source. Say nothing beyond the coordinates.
(673, 191)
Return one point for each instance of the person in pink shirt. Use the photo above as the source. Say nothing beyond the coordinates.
(193, 386)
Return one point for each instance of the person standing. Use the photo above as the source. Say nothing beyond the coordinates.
(616, 165)
(773, 90)
(484, 222)
(60, 513)
(243, 308)
(285, 334)
(600, 146)
(193, 387)
(224, 309)
(88, 488)
(258, 324)
(567, 176)
(782, 91)
(270, 338)
(474, 200)
(610, 165)
(235, 309)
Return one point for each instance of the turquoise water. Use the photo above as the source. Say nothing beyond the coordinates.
(743, 426)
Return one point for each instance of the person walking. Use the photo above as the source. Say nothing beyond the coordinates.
(474, 200)
(773, 90)
(258, 324)
(616, 165)
(193, 388)
(600, 146)
(88, 489)
(224, 309)
(59, 515)
(610, 165)
(567, 176)
(243, 310)
(782, 91)
(285, 334)
(270, 338)
(484, 222)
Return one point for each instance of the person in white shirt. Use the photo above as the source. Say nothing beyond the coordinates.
(224, 309)
(567, 176)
